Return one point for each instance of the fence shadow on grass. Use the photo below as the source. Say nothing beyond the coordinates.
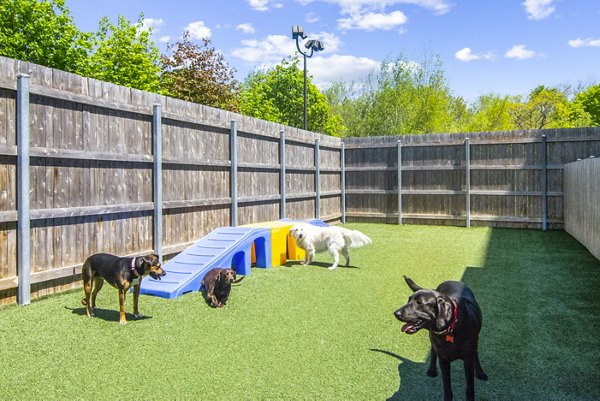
(539, 295)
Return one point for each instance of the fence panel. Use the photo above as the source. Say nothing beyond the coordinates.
(582, 191)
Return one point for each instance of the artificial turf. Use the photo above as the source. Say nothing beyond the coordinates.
(307, 333)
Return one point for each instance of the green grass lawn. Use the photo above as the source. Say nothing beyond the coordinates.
(307, 333)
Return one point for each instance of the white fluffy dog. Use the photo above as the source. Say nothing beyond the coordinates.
(333, 239)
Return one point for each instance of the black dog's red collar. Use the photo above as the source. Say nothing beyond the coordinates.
(133, 269)
(450, 329)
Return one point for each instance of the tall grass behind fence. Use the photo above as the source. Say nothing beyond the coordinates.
(582, 202)
(499, 179)
(92, 173)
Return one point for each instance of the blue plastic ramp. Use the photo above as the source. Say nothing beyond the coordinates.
(228, 247)
(314, 222)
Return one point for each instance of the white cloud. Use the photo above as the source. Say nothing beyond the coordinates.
(267, 51)
(520, 52)
(164, 39)
(198, 30)
(588, 42)
(311, 18)
(466, 55)
(330, 41)
(326, 70)
(273, 48)
(363, 6)
(538, 9)
(371, 21)
(246, 28)
(259, 5)
(153, 23)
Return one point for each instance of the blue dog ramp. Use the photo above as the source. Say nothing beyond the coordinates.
(227, 247)
(314, 222)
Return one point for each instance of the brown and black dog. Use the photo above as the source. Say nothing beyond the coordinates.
(121, 273)
(217, 284)
(453, 318)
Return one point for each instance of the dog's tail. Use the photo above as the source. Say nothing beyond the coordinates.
(238, 280)
(356, 239)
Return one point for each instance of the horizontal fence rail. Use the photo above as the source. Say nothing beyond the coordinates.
(117, 170)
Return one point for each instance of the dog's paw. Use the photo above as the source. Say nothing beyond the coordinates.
(332, 267)
(481, 376)
(122, 322)
(432, 372)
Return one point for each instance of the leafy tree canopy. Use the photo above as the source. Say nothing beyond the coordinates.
(402, 98)
(545, 108)
(278, 95)
(124, 54)
(589, 101)
(43, 32)
(199, 73)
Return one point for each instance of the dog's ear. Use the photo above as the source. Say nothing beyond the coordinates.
(412, 284)
(150, 259)
(444, 313)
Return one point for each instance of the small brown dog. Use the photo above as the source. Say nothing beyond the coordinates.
(121, 273)
(217, 284)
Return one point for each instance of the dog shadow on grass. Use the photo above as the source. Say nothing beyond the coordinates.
(414, 383)
(319, 264)
(109, 315)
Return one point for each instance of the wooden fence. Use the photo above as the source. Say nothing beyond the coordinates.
(582, 202)
(113, 169)
(499, 179)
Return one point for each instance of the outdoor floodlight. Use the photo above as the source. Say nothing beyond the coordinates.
(311, 46)
(298, 31)
(315, 45)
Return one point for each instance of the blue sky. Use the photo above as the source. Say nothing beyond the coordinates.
(506, 47)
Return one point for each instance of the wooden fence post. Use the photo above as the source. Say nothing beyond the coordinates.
(399, 146)
(157, 179)
(23, 211)
(468, 181)
(282, 173)
(317, 179)
(544, 183)
(343, 181)
(233, 174)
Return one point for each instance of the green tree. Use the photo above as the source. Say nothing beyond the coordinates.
(125, 55)
(43, 32)
(491, 113)
(588, 101)
(199, 74)
(544, 108)
(277, 95)
(402, 98)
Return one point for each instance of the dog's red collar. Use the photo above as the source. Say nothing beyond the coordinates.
(133, 269)
(450, 329)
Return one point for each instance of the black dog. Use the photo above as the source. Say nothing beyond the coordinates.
(217, 284)
(453, 318)
(121, 273)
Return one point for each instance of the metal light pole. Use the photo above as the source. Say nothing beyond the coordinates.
(313, 46)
